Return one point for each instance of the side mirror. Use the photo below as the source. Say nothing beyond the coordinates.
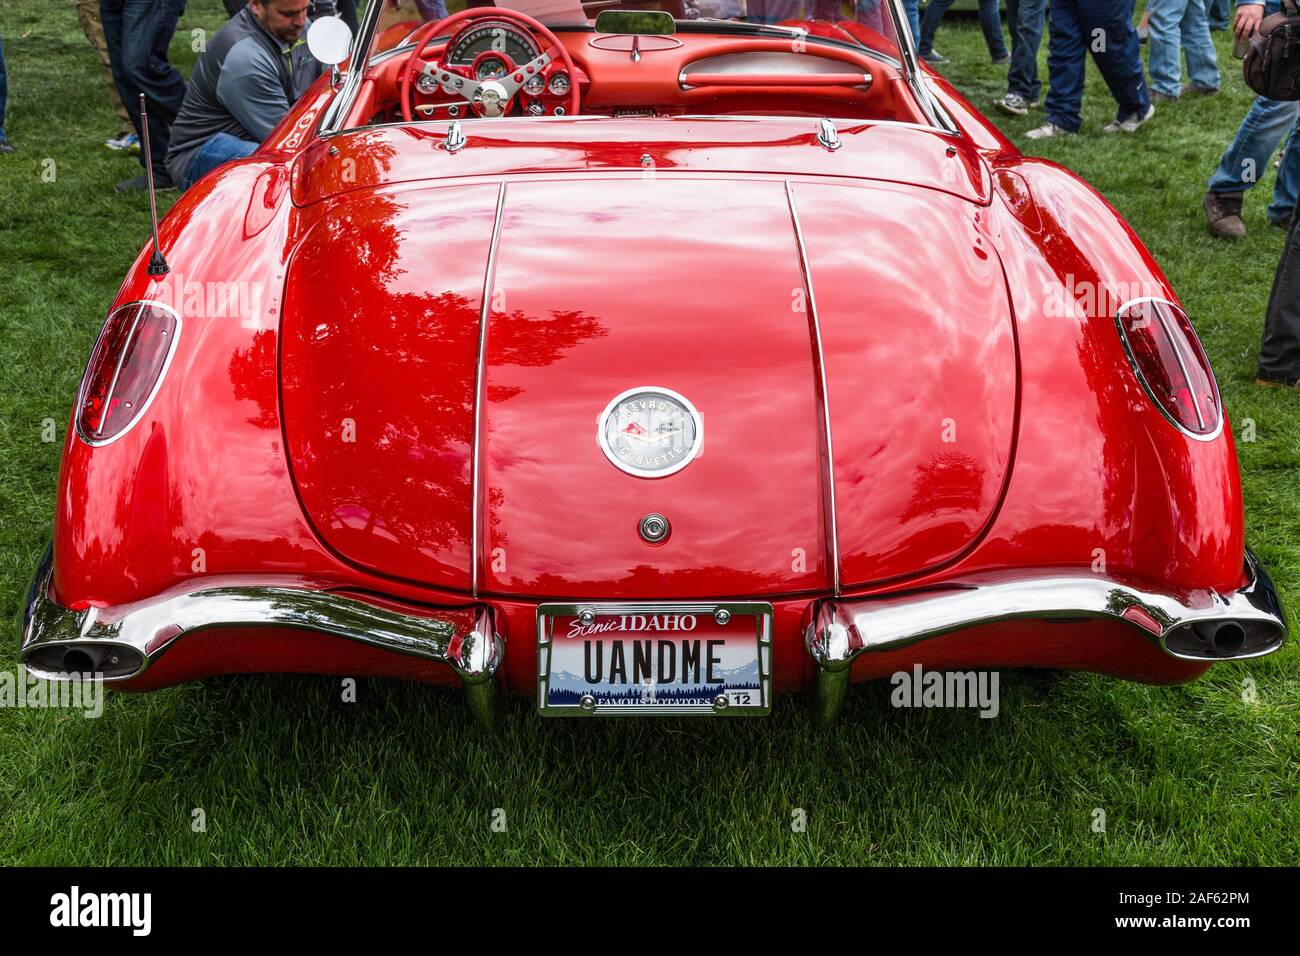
(644, 23)
(329, 40)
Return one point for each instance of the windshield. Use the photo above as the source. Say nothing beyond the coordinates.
(492, 49)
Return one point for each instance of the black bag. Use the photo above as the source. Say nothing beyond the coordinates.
(1272, 64)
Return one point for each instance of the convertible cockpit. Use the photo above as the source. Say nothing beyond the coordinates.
(489, 62)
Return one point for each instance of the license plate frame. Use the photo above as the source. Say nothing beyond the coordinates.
(749, 620)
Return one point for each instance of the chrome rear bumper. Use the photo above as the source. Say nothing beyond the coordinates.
(122, 642)
(1192, 625)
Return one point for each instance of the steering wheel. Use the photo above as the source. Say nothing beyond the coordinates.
(487, 98)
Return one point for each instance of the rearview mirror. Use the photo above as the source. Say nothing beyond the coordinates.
(646, 23)
(329, 39)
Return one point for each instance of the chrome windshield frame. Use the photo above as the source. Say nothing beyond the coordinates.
(331, 122)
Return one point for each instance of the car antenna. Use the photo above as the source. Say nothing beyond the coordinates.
(157, 264)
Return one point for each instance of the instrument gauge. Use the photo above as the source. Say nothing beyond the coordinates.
(535, 84)
(559, 85)
(491, 68)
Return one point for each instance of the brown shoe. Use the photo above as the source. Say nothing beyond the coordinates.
(1189, 88)
(1278, 382)
(1223, 213)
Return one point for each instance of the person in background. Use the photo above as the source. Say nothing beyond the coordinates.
(138, 34)
(1104, 28)
(1279, 348)
(5, 145)
(88, 17)
(1261, 130)
(990, 23)
(346, 10)
(1175, 25)
(253, 71)
(1025, 22)
(1220, 11)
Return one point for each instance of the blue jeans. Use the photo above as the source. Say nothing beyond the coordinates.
(913, 10)
(1025, 21)
(138, 33)
(1104, 28)
(221, 148)
(1246, 160)
(1220, 12)
(4, 90)
(1184, 23)
(990, 23)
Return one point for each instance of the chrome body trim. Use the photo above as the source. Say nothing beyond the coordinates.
(150, 627)
(485, 311)
(828, 135)
(455, 139)
(828, 466)
(1176, 622)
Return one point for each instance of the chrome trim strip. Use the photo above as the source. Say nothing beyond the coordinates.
(357, 69)
(152, 626)
(840, 631)
(485, 311)
(828, 468)
(912, 72)
(157, 386)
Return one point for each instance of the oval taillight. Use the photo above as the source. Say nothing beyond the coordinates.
(125, 370)
(1170, 363)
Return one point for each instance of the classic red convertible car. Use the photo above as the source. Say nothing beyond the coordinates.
(648, 366)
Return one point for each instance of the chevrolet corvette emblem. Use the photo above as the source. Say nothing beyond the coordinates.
(650, 432)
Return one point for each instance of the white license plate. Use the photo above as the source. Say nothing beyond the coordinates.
(672, 659)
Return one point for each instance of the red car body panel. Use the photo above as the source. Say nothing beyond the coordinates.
(972, 430)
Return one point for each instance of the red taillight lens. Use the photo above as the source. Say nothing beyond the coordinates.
(125, 369)
(1171, 364)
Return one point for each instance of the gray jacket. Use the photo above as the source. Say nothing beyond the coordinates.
(243, 85)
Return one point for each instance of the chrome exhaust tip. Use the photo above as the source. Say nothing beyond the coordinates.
(1225, 639)
(83, 659)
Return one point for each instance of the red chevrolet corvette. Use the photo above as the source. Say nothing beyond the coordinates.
(644, 366)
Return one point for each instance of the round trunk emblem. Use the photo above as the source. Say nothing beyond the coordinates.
(650, 432)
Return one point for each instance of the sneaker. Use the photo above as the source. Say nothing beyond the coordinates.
(1131, 124)
(121, 141)
(6, 146)
(1014, 103)
(1002, 60)
(1049, 129)
(1158, 97)
(1200, 90)
(934, 57)
(160, 182)
(1223, 214)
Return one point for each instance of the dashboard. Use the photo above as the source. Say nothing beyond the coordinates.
(491, 50)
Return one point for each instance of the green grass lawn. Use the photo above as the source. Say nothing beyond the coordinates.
(287, 773)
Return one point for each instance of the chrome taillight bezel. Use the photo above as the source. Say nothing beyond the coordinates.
(1199, 354)
(143, 406)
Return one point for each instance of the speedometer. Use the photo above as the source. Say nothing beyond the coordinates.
(492, 36)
